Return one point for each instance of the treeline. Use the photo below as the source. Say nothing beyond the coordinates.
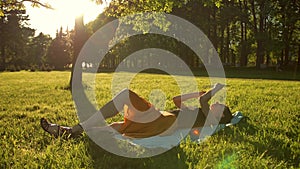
(244, 32)
(20, 49)
(18, 46)
(249, 32)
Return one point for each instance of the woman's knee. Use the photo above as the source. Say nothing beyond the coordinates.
(125, 90)
(124, 95)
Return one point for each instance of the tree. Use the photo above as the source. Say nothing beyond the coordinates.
(15, 34)
(58, 54)
(289, 16)
(79, 39)
(39, 46)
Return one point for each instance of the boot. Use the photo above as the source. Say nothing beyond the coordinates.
(61, 131)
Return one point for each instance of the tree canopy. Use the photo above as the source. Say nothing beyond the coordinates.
(244, 32)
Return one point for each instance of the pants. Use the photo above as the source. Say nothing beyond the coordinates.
(135, 109)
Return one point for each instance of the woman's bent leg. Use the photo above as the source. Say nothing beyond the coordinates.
(116, 105)
(138, 109)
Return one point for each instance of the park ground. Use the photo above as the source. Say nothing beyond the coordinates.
(267, 137)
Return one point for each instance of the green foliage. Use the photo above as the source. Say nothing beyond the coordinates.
(100, 21)
(10, 5)
(19, 49)
(123, 8)
(39, 46)
(243, 32)
(14, 36)
(133, 44)
(268, 136)
(60, 51)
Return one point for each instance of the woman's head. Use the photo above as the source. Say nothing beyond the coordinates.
(226, 115)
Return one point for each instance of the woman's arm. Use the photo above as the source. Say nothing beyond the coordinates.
(178, 100)
(207, 96)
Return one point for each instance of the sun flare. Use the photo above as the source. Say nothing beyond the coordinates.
(68, 10)
(63, 14)
(71, 8)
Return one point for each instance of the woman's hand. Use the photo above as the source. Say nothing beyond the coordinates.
(218, 86)
(204, 99)
(178, 100)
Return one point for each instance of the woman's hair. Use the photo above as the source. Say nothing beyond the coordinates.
(227, 116)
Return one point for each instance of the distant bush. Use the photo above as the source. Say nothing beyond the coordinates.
(13, 68)
(33, 68)
(47, 68)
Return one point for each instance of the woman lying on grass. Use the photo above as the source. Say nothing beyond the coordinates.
(142, 119)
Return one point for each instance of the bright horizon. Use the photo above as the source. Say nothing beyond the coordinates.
(63, 15)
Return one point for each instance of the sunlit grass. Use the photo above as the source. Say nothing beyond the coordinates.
(268, 137)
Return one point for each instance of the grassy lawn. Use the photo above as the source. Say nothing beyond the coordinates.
(268, 137)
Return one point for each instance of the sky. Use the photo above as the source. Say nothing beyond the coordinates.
(64, 14)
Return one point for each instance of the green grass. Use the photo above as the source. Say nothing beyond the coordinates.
(268, 137)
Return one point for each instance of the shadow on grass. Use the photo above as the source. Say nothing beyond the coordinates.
(174, 158)
(243, 73)
(268, 73)
(258, 145)
(265, 143)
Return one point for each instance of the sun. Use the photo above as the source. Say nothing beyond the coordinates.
(63, 14)
(68, 10)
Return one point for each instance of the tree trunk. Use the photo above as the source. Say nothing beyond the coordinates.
(79, 40)
(3, 64)
(259, 32)
(281, 58)
(286, 54)
(233, 58)
(2, 44)
(298, 54)
(222, 45)
(209, 25)
(242, 56)
(290, 31)
(258, 55)
(243, 53)
(227, 48)
(245, 46)
(268, 59)
(214, 33)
